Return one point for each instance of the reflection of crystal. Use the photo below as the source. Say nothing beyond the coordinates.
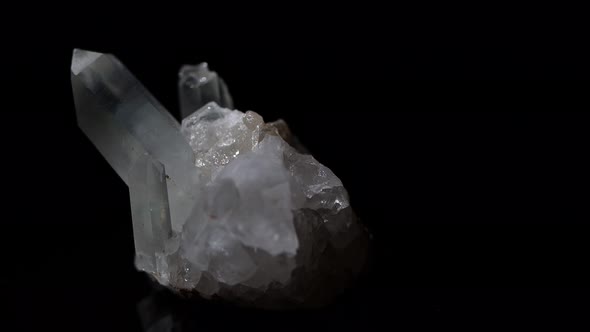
(161, 311)
(223, 204)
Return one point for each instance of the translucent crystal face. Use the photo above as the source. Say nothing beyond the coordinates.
(197, 85)
(252, 184)
(221, 203)
(218, 135)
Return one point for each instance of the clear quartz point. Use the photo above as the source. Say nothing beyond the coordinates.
(198, 86)
(223, 204)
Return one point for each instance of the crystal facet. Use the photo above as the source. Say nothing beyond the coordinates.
(197, 86)
(223, 204)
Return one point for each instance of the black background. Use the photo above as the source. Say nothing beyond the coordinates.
(476, 192)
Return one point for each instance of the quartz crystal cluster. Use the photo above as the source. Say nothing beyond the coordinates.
(223, 204)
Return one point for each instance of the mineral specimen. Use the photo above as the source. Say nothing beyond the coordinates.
(223, 204)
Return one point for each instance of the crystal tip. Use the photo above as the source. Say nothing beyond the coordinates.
(81, 59)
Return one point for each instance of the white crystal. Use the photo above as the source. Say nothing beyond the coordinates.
(222, 204)
(82, 59)
(142, 142)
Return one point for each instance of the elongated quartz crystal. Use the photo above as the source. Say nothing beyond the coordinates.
(223, 204)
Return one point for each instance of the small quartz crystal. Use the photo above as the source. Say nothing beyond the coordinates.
(224, 204)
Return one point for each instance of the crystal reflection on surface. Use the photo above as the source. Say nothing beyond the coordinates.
(155, 312)
(161, 310)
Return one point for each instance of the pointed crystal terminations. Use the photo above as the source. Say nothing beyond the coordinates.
(141, 141)
(224, 205)
(197, 86)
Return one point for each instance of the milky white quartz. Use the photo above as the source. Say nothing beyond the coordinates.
(223, 204)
